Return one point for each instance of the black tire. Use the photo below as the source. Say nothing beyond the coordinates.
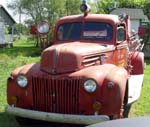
(126, 110)
(113, 117)
(25, 122)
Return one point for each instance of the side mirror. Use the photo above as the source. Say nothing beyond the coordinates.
(142, 31)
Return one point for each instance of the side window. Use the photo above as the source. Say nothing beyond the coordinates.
(121, 34)
(60, 33)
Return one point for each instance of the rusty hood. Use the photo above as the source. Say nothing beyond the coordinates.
(69, 57)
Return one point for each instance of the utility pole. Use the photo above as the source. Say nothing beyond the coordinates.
(20, 29)
(115, 3)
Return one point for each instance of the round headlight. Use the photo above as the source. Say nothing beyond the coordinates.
(43, 27)
(90, 85)
(22, 81)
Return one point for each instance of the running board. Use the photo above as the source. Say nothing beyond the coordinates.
(135, 83)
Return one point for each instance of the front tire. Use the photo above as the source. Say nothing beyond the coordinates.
(25, 122)
(126, 110)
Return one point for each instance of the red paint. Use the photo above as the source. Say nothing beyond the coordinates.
(33, 29)
(56, 83)
(137, 61)
(142, 31)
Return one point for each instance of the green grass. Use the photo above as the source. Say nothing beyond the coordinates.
(141, 107)
(24, 52)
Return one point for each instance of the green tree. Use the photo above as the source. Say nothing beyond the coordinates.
(131, 3)
(103, 6)
(146, 8)
(45, 9)
(72, 6)
(50, 10)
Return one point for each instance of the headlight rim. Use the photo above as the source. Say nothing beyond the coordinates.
(94, 88)
(41, 24)
(22, 85)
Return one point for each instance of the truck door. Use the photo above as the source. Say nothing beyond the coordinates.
(121, 47)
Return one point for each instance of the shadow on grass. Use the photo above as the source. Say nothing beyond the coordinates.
(147, 60)
(31, 51)
(7, 121)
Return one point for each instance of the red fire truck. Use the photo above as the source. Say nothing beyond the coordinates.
(93, 72)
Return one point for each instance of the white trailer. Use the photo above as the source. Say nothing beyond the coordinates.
(5, 39)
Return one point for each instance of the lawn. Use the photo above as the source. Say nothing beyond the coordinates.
(141, 107)
(25, 52)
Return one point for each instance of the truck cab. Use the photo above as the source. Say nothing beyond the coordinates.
(90, 74)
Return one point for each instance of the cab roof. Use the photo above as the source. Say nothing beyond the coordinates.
(91, 17)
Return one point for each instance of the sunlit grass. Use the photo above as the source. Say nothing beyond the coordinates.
(141, 107)
(25, 52)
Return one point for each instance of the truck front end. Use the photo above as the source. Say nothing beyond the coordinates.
(77, 80)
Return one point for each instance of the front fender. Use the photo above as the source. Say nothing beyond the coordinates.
(137, 63)
(113, 90)
(111, 97)
(14, 91)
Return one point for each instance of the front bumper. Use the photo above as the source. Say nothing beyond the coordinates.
(56, 117)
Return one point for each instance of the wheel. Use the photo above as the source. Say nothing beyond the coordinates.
(126, 106)
(113, 117)
(126, 110)
(25, 122)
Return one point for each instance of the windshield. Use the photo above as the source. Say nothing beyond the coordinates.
(85, 31)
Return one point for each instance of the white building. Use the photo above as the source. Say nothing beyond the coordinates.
(135, 16)
(6, 20)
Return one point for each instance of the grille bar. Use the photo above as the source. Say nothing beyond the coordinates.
(56, 95)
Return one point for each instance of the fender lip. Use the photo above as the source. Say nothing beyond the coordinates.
(56, 117)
